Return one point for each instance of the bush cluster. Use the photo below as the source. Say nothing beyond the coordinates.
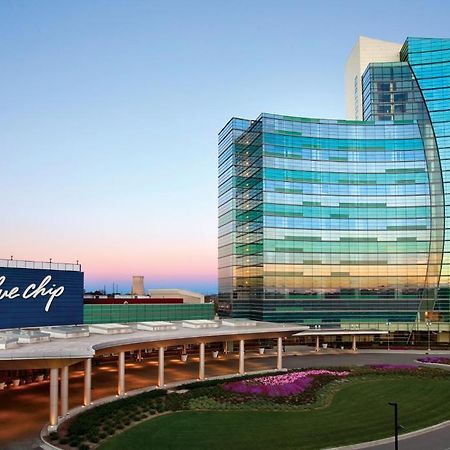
(97, 424)
(400, 370)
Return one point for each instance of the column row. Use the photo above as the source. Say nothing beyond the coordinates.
(64, 375)
(353, 342)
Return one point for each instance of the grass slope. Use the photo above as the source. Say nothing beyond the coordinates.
(358, 413)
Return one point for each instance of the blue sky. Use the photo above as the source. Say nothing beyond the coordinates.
(110, 112)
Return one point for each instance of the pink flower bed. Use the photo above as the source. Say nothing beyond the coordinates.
(434, 360)
(279, 385)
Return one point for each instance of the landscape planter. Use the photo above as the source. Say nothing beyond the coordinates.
(184, 358)
(261, 350)
(16, 382)
(215, 354)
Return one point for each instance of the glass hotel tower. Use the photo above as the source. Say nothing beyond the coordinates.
(334, 221)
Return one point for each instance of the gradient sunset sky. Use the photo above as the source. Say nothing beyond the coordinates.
(109, 114)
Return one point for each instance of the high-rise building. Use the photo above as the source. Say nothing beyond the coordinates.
(342, 220)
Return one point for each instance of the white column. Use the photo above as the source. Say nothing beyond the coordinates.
(354, 343)
(317, 343)
(121, 381)
(225, 347)
(53, 397)
(201, 367)
(241, 357)
(161, 367)
(87, 381)
(64, 390)
(280, 353)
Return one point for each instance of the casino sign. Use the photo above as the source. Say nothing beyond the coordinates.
(39, 297)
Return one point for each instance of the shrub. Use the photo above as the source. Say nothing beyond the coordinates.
(93, 437)
(74, 442)
(89, 421)
(159, 407)
(53, 436)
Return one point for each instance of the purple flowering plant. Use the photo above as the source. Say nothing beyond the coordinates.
(284, 385)
(434, 360)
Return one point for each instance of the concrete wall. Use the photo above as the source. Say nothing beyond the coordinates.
(365, 51)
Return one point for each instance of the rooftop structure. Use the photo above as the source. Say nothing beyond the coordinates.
(42, 265)
(137, 285)
(366, 51)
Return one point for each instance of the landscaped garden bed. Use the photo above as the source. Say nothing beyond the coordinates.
(434, 360)
(294, 392)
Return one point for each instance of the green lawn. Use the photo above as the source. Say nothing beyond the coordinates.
(358, 413)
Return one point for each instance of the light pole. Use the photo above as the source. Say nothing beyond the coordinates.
(389, 330)
(395, 405)
(428, 324)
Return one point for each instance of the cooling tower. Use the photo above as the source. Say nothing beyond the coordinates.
(138, 285)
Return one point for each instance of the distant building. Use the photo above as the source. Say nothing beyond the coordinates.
(187, 296)
(120, 299)
(162, 304)
(155, 296)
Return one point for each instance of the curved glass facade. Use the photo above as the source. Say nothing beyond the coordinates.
(336, 221)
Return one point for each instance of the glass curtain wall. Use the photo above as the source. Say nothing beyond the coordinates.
(330, 221)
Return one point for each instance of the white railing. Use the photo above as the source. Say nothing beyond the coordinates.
(46, 265)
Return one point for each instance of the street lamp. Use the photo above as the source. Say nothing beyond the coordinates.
(395, 405)
(428, 324)
(389, 330)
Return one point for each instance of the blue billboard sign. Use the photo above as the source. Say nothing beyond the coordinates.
(39, 297)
